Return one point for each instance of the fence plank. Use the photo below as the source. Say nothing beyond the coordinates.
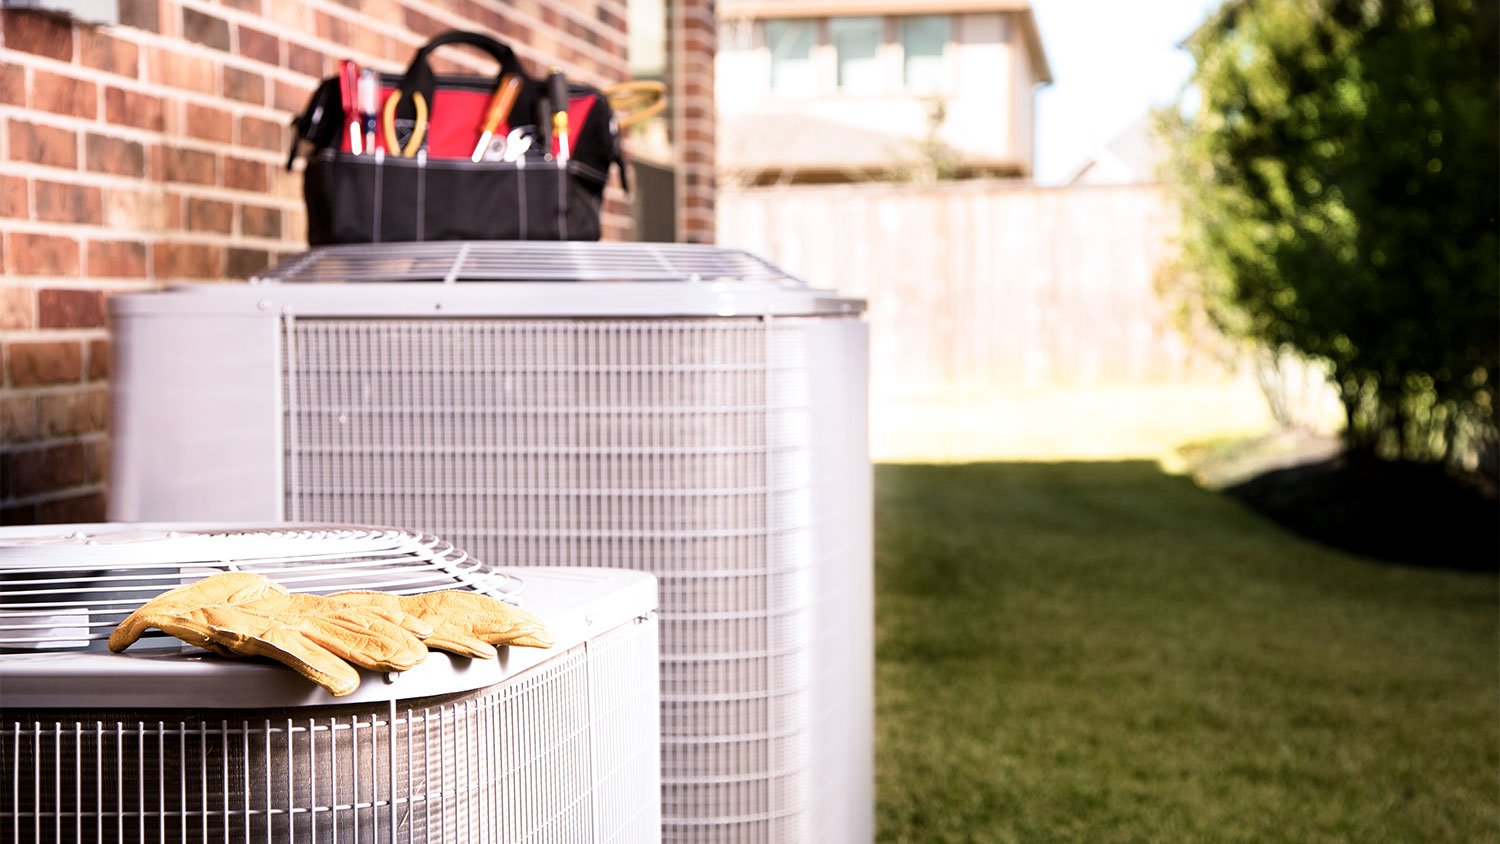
(978, 287)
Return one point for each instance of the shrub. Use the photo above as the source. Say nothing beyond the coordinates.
(1340, 181)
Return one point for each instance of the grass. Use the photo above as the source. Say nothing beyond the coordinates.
(1101, 652)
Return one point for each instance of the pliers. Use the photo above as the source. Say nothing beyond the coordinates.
(419, 127)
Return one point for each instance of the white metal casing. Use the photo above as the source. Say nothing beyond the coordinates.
(711, 432)
(174, 744)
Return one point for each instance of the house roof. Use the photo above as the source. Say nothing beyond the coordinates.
(756, 9)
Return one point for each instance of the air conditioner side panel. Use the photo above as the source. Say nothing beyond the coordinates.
(843, 665)
(197, 419)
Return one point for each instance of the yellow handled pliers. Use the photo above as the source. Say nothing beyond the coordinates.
(418, 129)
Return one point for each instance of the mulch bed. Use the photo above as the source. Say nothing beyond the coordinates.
(1409, 513)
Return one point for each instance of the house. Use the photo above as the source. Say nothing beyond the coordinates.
(849, 90)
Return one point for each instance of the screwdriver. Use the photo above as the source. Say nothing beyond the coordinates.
(557, 92)
(369, 96)
(348, 92)
(499, 109)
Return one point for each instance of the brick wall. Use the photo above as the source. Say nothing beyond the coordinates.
(151, 153)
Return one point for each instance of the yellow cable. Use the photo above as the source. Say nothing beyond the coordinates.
(636, 101)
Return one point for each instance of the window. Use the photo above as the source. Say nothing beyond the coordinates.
(857, 43)
(922, 42)
(791, 43)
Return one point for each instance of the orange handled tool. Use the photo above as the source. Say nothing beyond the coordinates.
(500, 105)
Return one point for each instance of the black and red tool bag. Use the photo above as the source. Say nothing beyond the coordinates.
(426, 185)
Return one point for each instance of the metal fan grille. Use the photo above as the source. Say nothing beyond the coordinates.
(679, 447)
(457, 261)
(69, 594)
(566, 752)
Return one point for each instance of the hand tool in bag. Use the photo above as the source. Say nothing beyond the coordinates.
(509, 148)
(498, 112)
(369, 99)
(557, 93)
(544, 125)
(418, 129)
(349, 93)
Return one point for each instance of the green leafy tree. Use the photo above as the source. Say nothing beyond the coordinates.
(1340, 178)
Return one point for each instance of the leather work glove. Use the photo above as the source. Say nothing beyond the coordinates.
(465, 623)
(250, 615)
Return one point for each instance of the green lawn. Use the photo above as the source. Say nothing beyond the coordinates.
(1100, 652)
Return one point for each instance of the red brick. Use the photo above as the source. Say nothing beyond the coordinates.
(61, 202)
(42, 254)
(256, 221)
(187, 260)
(260, 46)
(80, 509)
(210, 124)
(74, 412)
(188, 165)
(12, 84)
(100, 357)
(332, 28)
(205, 29)
(114, 155)
(50, 362)
(44, 35)
(180, 70)
(293, 97)
(244, 263)
(209, 215)
(305, 60)
(244, 86)
(63, 95)
(422, 24)
(172, 206)
(19, 420)
(262, 134)
(116, 259)
(141, 14)
(13, 201)
(138, 209)
(111, 55)
(59, 308)
(17, 308)
(43, 144)
(244, 174)
(129, 108)
(40, 470)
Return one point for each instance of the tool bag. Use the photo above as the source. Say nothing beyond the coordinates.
(430, 189)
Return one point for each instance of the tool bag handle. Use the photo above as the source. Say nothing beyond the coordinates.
(419, 77)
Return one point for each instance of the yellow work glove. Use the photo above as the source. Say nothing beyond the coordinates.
(250, 615)
(465, 623)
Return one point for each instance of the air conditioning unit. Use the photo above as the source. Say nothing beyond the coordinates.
(166, 743)
(687, 411)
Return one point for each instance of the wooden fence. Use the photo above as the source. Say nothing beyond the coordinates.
(982, 287)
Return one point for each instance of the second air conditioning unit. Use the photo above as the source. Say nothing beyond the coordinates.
(686, 411)
(166, 743)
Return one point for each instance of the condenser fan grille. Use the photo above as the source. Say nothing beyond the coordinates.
(70, 592)
(551, 755)
(686, 448)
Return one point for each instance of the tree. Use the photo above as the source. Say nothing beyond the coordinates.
(1340, 181)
